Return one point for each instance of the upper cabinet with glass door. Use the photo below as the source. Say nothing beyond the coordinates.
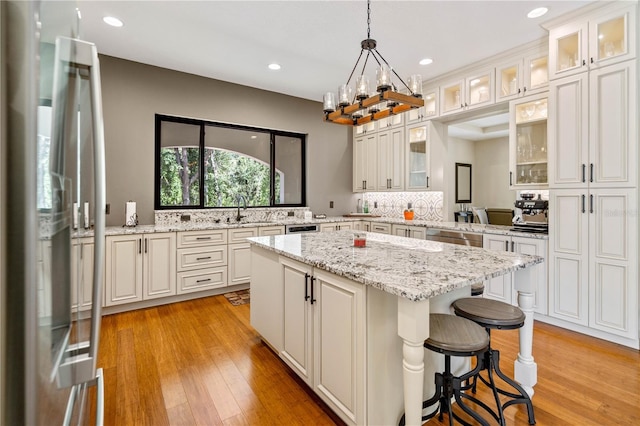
(605, 37)
(417, 157)
(428, 111)
(522, 76)
(471, 92)
(528, 142)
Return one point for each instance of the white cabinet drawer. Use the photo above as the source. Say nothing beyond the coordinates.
(203, 279)
(198, 258)
(381, 228)
(201, 238)
(264, 231)
(238, 235)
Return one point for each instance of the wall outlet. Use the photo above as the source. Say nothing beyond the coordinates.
(290, 214)
(185, 217)
(330, 204)
(107, 209)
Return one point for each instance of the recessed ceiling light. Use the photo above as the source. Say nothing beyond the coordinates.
(274, 66)
(113, 21)
(537, 12)
(426, 61)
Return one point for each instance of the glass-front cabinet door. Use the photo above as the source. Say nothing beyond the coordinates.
(605, 37)
(428, 111)
(452, 97)
(509, 80)
(528, 142)
(417, 154)
(479, 89)
(536, 73)
(612, 37)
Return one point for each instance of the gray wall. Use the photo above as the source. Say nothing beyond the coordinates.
(133, 93)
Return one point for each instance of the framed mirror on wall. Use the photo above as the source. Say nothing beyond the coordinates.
(463, 183)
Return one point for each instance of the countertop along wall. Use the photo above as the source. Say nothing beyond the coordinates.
(133, 93)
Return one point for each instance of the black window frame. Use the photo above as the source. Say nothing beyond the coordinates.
(159, 118)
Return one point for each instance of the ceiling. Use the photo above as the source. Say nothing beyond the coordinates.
(316, 42)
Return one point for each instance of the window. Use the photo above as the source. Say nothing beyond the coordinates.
(202, 164)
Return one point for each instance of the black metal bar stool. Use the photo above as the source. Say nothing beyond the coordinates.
(455, 336)
(493, 314)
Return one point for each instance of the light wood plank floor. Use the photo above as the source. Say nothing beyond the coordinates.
(201, 363)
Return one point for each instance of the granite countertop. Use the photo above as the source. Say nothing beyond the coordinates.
(200, 226)
(409, 268)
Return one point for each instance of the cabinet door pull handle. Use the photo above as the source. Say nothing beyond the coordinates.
(364, 184)
(203, 258)
(203, 281)
(519, 91)
(525, 89)
(585, 62)
(592, 60)
(427, 181)
(146, 241)
(584, 172)
(139, 245)
(591, 203)
(513, 246)
(583, 201)
(203, 238)
(510, 178)
(591, 172)
(306, 286)
(506, 246)
(313, 280)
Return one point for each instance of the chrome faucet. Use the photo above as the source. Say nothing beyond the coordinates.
(244, 202)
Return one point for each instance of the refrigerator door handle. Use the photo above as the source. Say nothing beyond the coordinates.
(81, 360)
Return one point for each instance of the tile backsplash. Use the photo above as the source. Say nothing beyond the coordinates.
(426, 205)
(174, 217)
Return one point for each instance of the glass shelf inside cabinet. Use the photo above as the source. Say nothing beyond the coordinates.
(568, 55)
(611, 38)
(531, 143)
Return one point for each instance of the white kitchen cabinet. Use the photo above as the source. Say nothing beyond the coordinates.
(362, 225)
(502, 287)
(324, 336)
(392, 121)
(593, 267)
(522, 76)
(593, 130)
(390, 173)
(201, 260)
(264, 231)
(140, 267)
(431, 108)
(418, 232)
(476, 90)
(380, 228)
(369, 127)
(81, 273)
(603, 37)
(240, 255)
(418, 157)
(336, 226)
(528, 151)
(267, 290)
(365, 153)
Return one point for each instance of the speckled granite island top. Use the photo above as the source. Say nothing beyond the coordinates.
(409, 268)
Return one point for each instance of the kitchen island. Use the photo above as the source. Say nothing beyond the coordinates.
(351, 321)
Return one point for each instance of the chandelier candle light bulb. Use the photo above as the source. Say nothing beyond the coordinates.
(362, 87)
(344, 95)
(329, 102)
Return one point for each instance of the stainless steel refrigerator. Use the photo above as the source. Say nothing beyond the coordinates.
(52, 190)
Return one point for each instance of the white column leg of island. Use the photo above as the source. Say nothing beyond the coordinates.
(413, 328)
(525, 368)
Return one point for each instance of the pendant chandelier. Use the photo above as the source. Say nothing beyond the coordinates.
(362, 106)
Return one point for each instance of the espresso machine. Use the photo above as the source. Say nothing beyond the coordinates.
(531, 215)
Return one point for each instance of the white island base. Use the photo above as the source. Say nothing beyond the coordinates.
(360, 348)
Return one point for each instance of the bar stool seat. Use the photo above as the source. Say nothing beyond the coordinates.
(455, 336)
(493, 314)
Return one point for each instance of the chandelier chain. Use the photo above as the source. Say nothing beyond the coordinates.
(368, 18)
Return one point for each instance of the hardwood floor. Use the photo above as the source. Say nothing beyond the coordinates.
(201, 363)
